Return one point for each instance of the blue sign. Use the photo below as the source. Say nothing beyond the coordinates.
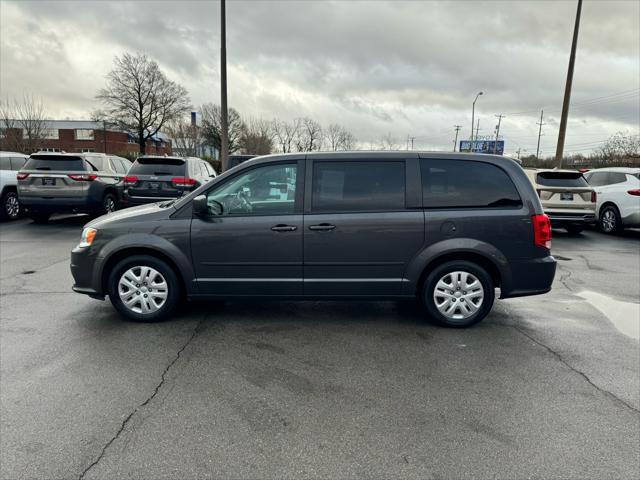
(482, 146)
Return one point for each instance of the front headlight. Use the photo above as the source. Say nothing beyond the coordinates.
(88, 234)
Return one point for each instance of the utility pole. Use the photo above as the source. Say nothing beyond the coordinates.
(477, 128)
(455, 142)
(567, 89)
(539, 134)
(224, 114)
(495, 145)
(412, 139)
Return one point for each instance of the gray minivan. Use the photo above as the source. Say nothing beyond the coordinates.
(446, 228)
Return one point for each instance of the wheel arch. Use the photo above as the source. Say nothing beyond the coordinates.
(608, 203)
(483, 254)
(151, 245)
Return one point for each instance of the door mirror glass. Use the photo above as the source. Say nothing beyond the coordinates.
(204, 208)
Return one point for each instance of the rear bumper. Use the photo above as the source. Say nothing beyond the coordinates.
(58, 204)
(562, 219)
(531, 277)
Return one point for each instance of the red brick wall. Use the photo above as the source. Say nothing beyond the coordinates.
(116, 143)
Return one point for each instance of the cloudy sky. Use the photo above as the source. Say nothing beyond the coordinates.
(378, 67)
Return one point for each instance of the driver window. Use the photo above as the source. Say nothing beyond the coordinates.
(268, 190)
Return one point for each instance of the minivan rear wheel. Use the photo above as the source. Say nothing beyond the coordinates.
(458, 294)
(143, 288)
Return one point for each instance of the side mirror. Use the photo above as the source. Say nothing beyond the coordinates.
(202, 208)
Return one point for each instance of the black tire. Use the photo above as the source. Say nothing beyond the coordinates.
(574, 229)
(609, 220)
(39, 217)
(174, 290)
(109, 203)
(11, 208)
(458, 266)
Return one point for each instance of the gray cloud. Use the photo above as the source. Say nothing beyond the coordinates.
(405, 68)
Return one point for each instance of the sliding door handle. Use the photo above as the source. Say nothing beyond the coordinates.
(284, 228)
(323, 227)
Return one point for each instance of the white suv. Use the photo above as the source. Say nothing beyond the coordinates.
(618, 191)
(10, 163)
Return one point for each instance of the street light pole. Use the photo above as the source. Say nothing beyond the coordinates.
(473, 113)
(224, 119)
(567, 89)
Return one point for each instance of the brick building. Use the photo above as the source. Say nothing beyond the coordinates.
(83, 136)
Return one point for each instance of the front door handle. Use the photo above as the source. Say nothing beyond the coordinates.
(322, 227)
(284, 228)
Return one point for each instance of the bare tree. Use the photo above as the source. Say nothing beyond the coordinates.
(257, 137)
(185, 137)
(139, 97)
(388, 142)
(620, 146)
(309, 135)
(339, 138)
(285, 134)
(211, 115)
(23, 124)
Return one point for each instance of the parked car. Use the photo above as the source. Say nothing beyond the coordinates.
(71, 182)
(618, 191)
(10, 163)
(566, 197)
(155, 179)
(446, 228)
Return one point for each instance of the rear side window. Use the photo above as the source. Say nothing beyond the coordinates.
(466, 184)
(55, 162)
(616, 177)
(561, 179)
(358, 186)
(17, 162)
(5, 163)
(158, 167)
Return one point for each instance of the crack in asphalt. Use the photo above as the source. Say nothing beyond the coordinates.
(575, 370)
(196, 331)
(564, 278)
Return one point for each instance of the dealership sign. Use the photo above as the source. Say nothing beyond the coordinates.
(482, 146)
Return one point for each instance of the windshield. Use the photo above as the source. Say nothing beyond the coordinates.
(158, 167)
(561, 179)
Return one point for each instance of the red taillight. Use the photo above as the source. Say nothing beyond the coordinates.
(130, 180)
(594, 197)
(635, 192)
(82, 177)
(21, 176)
(183, 182)
(541, 231)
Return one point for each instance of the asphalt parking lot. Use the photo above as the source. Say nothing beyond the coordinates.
(545, 387)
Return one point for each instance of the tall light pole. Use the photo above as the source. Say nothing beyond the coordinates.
(224, 114)
(473, 112)
(567, 89)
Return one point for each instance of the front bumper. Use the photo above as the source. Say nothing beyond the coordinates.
(82, 270)
(530, 277)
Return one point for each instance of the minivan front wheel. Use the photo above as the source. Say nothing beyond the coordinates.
(458, 294)
(143, 288)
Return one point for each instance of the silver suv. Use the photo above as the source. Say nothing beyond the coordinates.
(71, 182)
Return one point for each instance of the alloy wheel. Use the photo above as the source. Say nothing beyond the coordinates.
(458, 295)
(608, 220)
(109, 204)
(12, 206)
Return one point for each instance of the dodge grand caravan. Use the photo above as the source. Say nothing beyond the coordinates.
(446, 228)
